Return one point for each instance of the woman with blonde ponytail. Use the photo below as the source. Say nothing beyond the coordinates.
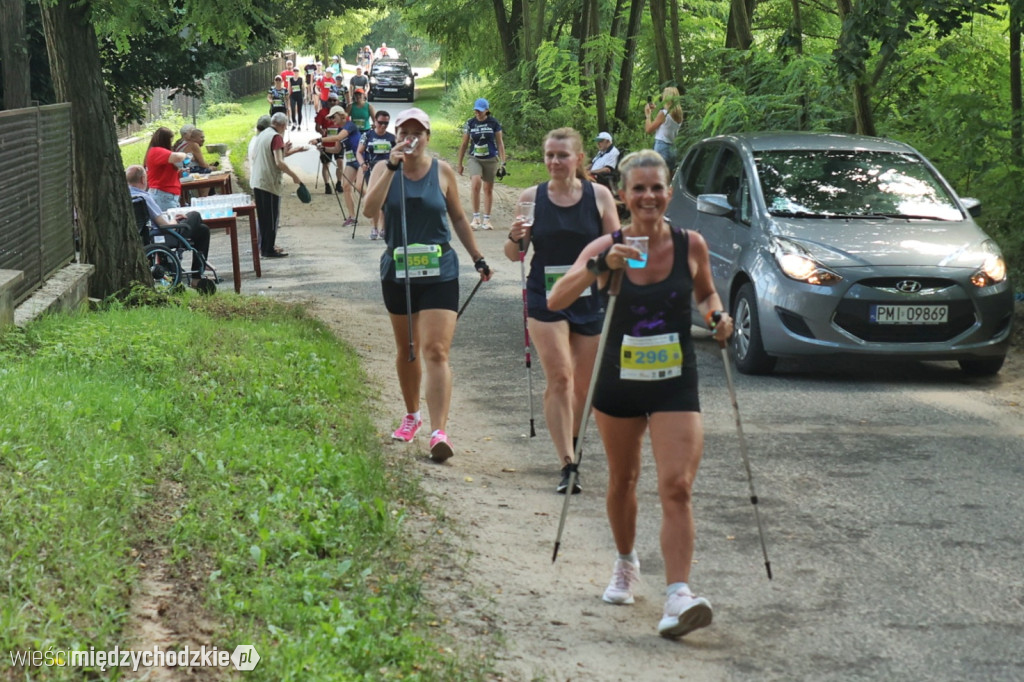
(665, 125)
(569, 213)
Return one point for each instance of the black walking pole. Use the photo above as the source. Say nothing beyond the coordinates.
(526, 331)
(613, 294)
(359, 202)
(743, 448)
(471, 295)
(405, 260)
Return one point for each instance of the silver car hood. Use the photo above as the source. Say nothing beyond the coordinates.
(839, 243)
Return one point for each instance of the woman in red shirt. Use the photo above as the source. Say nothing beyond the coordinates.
(163, 167)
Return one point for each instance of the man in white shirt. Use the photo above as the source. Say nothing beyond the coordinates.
(603, 167)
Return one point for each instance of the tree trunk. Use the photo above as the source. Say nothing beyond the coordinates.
(507, 34)
(739, 34)
(14, 53)
(110, 240)
(796, 28)
(596, 70)
(863, 116)
(625, 93)
(615, 31)
(659, 21)
(1016, 105)
(677, 48)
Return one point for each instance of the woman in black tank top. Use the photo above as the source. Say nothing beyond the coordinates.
(569, 213)
(648, 380)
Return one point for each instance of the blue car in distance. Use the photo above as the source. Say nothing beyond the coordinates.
(842, 244)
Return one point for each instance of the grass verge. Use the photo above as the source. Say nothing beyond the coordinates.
(287, 519)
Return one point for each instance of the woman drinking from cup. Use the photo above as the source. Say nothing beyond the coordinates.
(569, 212)
(648, 379)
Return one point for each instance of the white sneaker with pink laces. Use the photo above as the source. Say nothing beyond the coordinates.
(625, 578)
(684, 613)
(407, 431)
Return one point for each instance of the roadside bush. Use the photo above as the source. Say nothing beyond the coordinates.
(224, 109)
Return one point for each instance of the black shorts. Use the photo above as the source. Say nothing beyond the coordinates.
(592, 328)
(624, 398)
(278, 110)
(434, 296)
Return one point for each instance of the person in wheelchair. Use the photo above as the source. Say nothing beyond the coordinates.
(190, 233)
(606, 163)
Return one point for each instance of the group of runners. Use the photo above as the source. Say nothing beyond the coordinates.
(647, 378)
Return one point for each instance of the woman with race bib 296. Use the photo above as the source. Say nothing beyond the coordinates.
(648, 379)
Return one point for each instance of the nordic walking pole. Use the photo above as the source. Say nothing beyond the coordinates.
(577, 455)
(526, 332)
(405, 255)
(743, 447)
(471, 295)
(359, 203)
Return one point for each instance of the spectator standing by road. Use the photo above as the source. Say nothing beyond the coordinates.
(659, 395)
(295, 87)
(482, 138)
(268, 166)
(665, 124)
(164, 169)
(570, 212)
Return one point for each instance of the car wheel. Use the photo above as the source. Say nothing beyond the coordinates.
(747, 347)
(982, 367)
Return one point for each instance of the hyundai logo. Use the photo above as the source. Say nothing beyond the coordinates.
(908, 286)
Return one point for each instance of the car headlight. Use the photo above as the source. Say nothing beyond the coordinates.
(797, 264)
(408, 80)
(373, 80)
(993, 269)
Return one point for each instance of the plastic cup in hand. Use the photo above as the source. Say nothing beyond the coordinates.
(524, 211)
(639, 243)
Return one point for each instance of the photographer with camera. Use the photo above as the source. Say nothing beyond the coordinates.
(665, 125)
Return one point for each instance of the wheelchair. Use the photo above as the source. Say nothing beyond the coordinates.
(165, 249)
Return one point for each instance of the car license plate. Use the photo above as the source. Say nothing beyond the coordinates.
(909, 314)
(390, 89)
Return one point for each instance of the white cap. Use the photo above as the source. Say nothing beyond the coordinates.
(604, 136)
(413, 114)
(336, 110)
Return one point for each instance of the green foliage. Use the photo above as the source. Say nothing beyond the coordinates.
(223, 109)
(229, 432)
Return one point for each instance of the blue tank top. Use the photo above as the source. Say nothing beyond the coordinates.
(426, 215)
(559, 235)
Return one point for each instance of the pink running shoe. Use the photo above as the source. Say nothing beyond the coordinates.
(440, 448)
(407, 431)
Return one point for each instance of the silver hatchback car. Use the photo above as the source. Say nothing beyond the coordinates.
(829, 244)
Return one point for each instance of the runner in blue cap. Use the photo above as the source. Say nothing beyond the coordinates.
(482, 138)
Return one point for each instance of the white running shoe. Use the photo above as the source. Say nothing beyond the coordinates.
(485, 224)
(475, 223)
(407, 431)
(684, 613)
(625, 577)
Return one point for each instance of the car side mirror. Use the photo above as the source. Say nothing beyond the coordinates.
(972, 205)
(415, 75)
(714, 204)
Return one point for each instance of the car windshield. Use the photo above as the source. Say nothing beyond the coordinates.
(852, 184)
(390, 70)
